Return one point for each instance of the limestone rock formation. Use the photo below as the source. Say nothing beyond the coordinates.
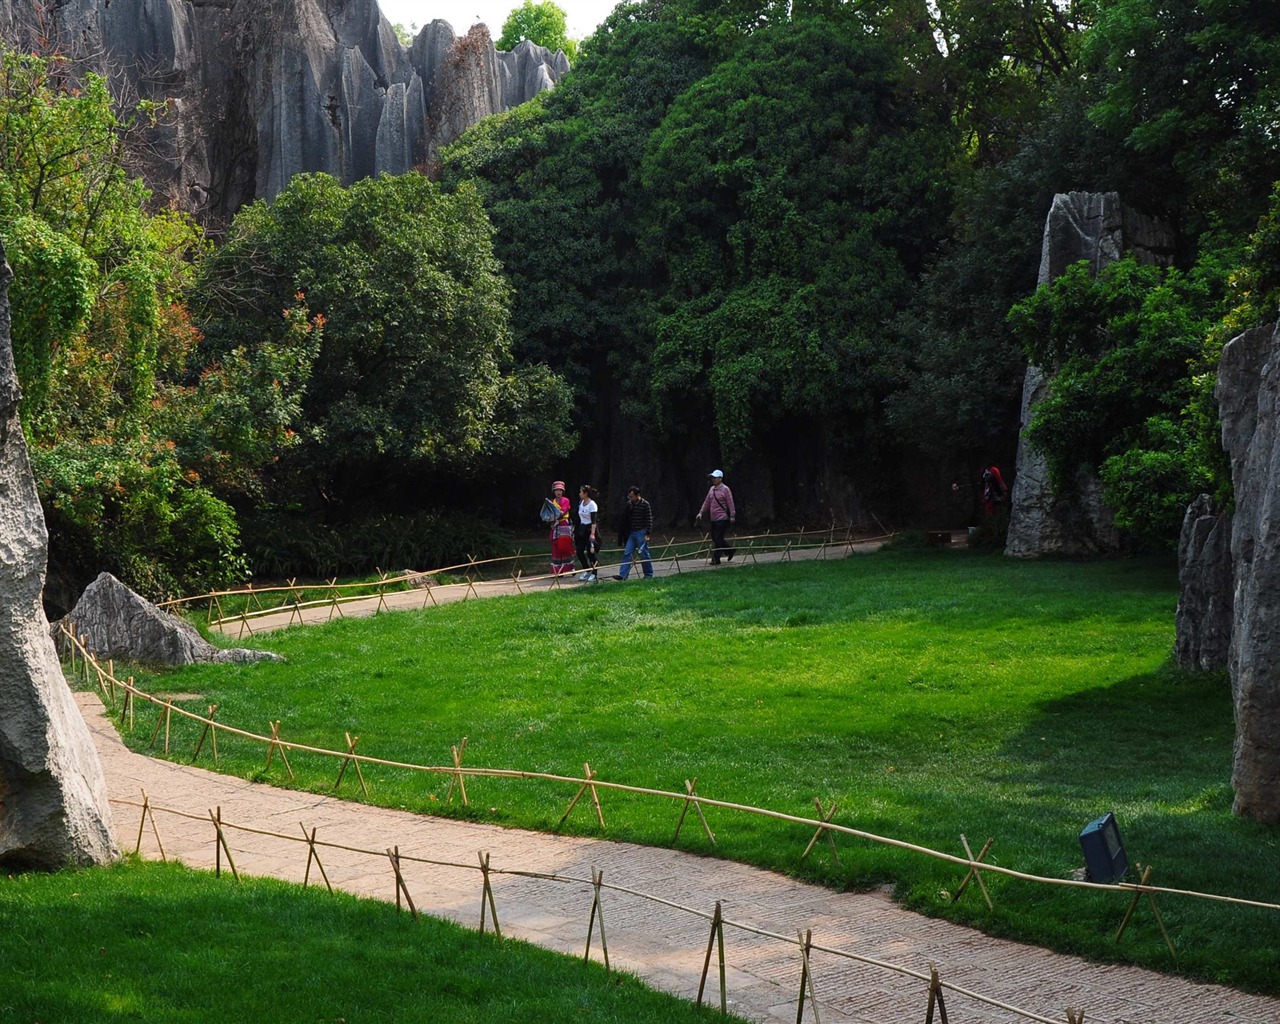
(1249, 407)
(259, 91)
(114, 622)
(53, 798)
(1096, 227)
(1205, 588)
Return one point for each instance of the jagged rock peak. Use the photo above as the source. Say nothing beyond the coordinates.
(259, 91)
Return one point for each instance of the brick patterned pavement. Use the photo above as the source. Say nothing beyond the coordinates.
(660, 944)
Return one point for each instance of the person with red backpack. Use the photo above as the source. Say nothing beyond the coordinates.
(994, 491)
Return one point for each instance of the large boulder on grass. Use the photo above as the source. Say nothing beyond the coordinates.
(114, 622)
(53, 798)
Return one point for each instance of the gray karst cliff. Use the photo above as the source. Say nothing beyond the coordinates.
(1249, 406)
(259, 90)
(1097, 227)
(53, 798)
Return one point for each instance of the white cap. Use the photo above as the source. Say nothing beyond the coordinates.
(717, 474)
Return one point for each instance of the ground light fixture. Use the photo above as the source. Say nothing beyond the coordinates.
(1104, 856)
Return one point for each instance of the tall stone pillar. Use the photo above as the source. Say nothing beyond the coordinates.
(1091, 226)
(1249, 405)
(53, 798)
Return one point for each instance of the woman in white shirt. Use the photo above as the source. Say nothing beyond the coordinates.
(587, 536)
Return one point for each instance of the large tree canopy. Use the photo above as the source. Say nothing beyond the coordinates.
(795, 195)
(413, 373)
(542, 23)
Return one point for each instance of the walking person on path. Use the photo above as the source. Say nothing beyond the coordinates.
(561, 533)
(587, 535)
(719, 504)
(639, 523)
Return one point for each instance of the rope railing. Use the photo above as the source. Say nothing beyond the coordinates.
(107, 683)
(258, 602)
(596, 881)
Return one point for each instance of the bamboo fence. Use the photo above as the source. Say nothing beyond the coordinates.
(935, 986)
(94, 673)
(250, 604)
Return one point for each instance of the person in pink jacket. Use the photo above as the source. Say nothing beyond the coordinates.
(718, 504)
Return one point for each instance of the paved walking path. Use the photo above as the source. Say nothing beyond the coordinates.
(664, 946)
(321, 611)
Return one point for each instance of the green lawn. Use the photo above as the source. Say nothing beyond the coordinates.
(160, 943)
(929, 693)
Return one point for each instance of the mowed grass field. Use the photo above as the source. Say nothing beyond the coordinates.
(928, 693)
(163, 944)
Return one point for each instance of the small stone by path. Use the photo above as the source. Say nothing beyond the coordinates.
(664, 946)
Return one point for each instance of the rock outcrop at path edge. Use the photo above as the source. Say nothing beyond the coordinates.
(114, 622)
(54, 810)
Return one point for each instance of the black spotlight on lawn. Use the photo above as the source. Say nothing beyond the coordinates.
(1104, 856)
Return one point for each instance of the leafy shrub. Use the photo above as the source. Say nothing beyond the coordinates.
(283, 546)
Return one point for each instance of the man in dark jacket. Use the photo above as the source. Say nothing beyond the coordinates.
(640, 522)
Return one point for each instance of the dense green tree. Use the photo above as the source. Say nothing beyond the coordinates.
(102, 341)
(795, 198)
(413, 372)
(1191, 91)
(567, 166)
(542, 23)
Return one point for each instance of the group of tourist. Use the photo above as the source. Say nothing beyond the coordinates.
(635, 523)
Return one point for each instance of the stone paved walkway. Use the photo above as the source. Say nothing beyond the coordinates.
(664, 946)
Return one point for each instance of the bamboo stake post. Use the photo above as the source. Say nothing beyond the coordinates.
(313, 854)
(457, 777)
(825, 816)
(220, 847)
(486, 897)
(597, 911)
(716, 938)
(974, 873)
(213, 710)
(350, 759)
(935, 997)
(275, 744)
(394, 856)
(691, 788)
(382, 593)
(147, 812)
(334, 606)
(806, 977)
(1155, 910)
(586, 784)
(295, 612)
(471, 586)
(111, 678)
(1075, 1016)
